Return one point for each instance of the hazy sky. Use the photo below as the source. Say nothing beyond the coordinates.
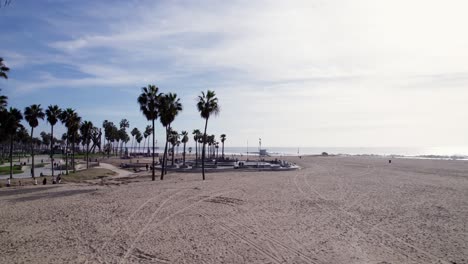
(295, 73)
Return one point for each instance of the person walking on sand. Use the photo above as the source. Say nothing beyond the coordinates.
(8, 183)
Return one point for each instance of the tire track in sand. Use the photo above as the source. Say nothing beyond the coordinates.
(366, 228)
(213, 194)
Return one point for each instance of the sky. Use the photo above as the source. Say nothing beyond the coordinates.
(348, 73)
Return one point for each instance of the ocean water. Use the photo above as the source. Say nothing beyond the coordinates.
(287, 151)
(294, 151)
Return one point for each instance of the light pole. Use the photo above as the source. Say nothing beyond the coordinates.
(259, 151)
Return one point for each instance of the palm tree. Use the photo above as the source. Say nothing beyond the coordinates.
(11, 125)
(146, 134)
(124, 124)
(184, 140)
(86, 130)
(138, 138)
(53, 113)
(170, 107)
(223, 138)
(196, 136)
(74, 125)
(149, 105)
(173, 138)
(72, 121)
(32, 114)
(134, 132)
(3, 69)
(207, 105)
(64, 116)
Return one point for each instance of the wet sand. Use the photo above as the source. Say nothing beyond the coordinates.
(334, 210)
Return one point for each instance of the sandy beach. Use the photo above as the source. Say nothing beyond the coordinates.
(333, 210)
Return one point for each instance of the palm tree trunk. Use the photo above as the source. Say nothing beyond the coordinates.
(173, 155)
(184, 154)
(73, 153)
(66, 156)
(196, 153)
(87, 155)
(52, 149)
(153, 177)
(223, 150)
(166, 147)
(163, 165)
(203, 150)
(133, 141)
(11, 156)
(32, 153)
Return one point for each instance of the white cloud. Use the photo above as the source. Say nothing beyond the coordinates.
(355, 73)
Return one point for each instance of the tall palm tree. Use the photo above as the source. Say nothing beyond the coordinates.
(138, 138)
(53, 113)
(3, 69)
(196, 136)
(11, 125)
(124, 124)
(86, 130)
(207, 105)
(72, 121)
(134, 132)
(149, 106)
(223, 138)
(173, 138)
(64, 116)
(146, 134)
(74, 125)
(184, 140)
(170, 107)
(32, 114)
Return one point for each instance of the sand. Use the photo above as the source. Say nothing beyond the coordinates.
(334, 210)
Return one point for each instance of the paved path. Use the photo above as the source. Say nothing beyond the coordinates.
(120, 173)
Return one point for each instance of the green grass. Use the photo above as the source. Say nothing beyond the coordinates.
(89, 174)
(6, 170)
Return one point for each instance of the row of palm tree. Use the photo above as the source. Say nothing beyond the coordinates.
(152, 104)
(167, 106)
(11, 126)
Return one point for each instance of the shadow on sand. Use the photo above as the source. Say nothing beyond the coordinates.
(50, 195)
(10, 192)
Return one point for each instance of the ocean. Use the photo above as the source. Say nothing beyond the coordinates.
(386, 151)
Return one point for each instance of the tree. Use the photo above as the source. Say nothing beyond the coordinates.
(170, 107)
(207, 105)
(124, 124)
(109, 134)
(196, 136)
(223, 138)
(12, 123)
(86, 130)
(74, 126)
(3, 69)
(32, 114)
(173, 138)
(134, 132)
(53, 113)
(138, 138)
(72, 121)
(149, 106)
(184, 140)
(147, 133)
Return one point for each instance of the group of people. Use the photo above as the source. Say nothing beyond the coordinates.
(56, 180)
